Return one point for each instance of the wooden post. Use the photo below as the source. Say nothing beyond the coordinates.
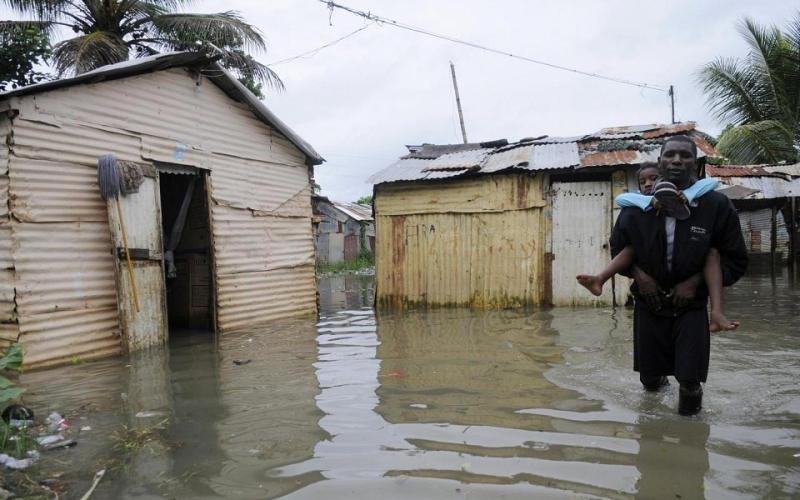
(458, 103)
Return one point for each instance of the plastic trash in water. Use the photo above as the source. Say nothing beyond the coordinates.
(151, 413)
(46, 440)
(65, 443)
(15, 463)
(57, 423)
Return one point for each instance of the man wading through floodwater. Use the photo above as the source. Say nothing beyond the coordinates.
(671, 334)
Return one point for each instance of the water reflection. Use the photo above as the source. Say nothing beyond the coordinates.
(440, 403)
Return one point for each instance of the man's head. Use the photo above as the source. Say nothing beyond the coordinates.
(648, 174)
(678, 161)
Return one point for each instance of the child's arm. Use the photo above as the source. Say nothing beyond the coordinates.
(623, 261)
(712, 274)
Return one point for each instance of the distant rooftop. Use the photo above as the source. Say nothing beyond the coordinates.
(612, 146)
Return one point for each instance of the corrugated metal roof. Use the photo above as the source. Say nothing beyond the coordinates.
(461, 160)
(222, 78)
(609, 147)
(767, 187)
(519, 157)
(792, 170)
(737, 171)
(361, 213)
(552, 156)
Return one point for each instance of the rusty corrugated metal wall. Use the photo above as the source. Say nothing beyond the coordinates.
(477, 242)
(58, 238)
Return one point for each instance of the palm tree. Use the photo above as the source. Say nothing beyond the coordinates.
(111, 31)
(759, 96)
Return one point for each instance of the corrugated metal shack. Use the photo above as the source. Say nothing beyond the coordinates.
(501, 224)
(246, 252)
(766, 199)
(342, 230)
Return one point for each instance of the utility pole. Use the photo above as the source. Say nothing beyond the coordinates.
(458, 103)
(672, 101)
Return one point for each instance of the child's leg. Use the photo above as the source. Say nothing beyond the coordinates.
(712, 273)
(621, 262)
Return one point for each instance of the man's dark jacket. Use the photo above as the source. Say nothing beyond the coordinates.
(713, 223)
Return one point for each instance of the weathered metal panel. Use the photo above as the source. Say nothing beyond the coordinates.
(495, 193)
(461, 160)
(402, 170)
(9, 333)
(5, 129)
(66, 336)
(71, 143)
(478, 259)
(63, 266)
(7, 304)
(266, 187)
(251, 298)
(246, 243)
(183, 109)
(141, 213)
(47, 191)
(767, 187)
(581, 228)
(6, 241)
(479, 242)
(552, 156)
(508, 158)
(757, 231)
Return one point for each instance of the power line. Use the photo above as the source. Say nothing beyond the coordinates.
(314, 52)
(372, 17)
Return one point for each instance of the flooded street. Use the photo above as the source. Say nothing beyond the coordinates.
(448, 403)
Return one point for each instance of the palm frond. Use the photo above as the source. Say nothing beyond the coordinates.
(246, 66)
(733, 91)
(224, 29)
(768, 59)
(44, 10)
(88, 52)
(766, 141)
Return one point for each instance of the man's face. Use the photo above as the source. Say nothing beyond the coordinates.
(677, 163)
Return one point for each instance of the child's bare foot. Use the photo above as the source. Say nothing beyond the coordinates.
(592, 283)
(719, 323)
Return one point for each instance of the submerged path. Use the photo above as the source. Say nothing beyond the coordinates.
(447, 403)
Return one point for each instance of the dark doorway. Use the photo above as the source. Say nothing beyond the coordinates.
(188, 278)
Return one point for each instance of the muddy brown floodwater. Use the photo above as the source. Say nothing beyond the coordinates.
(447, 403)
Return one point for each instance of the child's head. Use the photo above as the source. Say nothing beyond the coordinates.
(648, 174)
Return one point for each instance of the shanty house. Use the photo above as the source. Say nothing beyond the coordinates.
(501, 224)
(766, 197)
(343, 231)
(224, 186)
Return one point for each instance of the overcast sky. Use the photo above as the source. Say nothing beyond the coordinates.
(360, 101)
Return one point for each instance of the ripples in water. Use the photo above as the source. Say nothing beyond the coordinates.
(442, 403)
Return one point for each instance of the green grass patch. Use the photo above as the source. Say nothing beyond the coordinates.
(363, 261)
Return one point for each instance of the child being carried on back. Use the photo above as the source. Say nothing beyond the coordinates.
(675, 204)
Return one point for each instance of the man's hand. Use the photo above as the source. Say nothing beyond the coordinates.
(684, 292)
(648, 288)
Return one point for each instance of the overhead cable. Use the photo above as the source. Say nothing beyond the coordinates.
(313, 52)
(390, 22)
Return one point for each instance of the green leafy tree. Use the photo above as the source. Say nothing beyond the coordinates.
(111, 31)
(21, 50)
(365, 200)
(758, 95)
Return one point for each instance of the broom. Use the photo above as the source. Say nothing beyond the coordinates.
(109, 181)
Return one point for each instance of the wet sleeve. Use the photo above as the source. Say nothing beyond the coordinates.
(728, 240)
